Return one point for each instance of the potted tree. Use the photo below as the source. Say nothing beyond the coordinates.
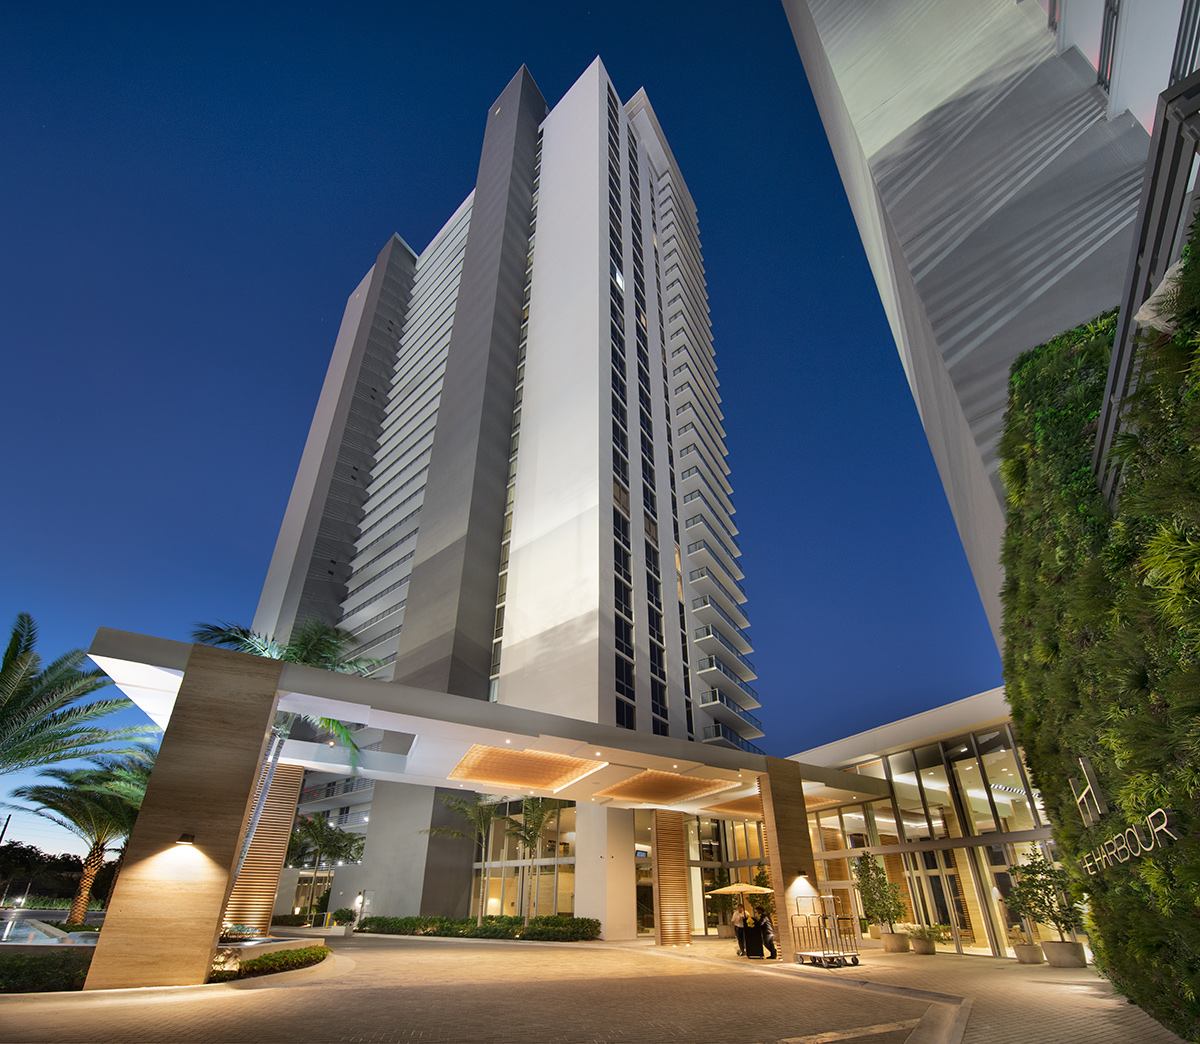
(926, 936)
(1027, 952)
(882, 900)
(722, 905)
(1041, 894)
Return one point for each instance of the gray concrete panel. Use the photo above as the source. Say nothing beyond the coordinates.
(449, 617)
(311, 562)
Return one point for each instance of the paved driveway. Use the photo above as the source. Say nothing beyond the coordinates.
(435, 990)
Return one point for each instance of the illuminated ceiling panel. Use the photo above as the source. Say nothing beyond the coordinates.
(743, 808)
(664, 788)
(522, 769)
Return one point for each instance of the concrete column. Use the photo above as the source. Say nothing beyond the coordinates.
(605, 869)
(165, 916)
(789, 847)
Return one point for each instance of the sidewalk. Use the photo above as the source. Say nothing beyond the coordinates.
(996, 1000)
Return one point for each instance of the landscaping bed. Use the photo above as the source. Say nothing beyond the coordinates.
(555, 928)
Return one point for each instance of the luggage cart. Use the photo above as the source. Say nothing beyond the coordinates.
(820, 936)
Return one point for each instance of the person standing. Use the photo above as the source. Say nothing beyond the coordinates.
(768, 931)
(739, 927)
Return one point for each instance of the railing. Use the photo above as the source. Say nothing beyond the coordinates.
(711, 632)
(704, 601)
(724, 732)
(713, 663)
(329, 790)
(711, 696)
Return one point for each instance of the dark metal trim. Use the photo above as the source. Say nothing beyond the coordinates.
(1158, 241)
(1184, 60)
(1108, 43)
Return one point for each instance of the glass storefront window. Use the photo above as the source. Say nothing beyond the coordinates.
(1005, 780)
(972, 785)
(854, 826)
(908, 797)
(936, 785)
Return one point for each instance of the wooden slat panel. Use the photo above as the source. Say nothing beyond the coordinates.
(672, 923)
(253, 898)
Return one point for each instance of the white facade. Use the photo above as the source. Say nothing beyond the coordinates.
(516, 487)
(995, 184)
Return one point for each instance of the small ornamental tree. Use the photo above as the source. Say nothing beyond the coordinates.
(1041, 894)
(721, 905)
(882, 900)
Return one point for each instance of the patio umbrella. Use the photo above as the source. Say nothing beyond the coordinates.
(739, 888)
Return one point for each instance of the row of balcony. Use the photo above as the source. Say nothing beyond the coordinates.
(726, 710)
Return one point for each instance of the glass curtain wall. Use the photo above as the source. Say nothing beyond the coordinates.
(733, 845)
(972, 786)
(515, 879)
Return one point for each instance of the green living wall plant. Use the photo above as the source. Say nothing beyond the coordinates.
(1102, 639)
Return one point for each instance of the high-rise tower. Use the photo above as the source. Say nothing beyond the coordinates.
(515, 484)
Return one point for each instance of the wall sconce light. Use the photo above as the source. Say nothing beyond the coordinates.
(186, 839)
(802, 873)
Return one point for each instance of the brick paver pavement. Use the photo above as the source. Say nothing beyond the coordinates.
(446, 991)
(1012, 1003)
(460, 991)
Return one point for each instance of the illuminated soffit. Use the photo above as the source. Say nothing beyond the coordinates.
(522, 769)
(664, 788)
(743, 808)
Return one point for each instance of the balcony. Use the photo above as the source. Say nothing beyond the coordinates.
(715, 671)
(707, 611)
(706, 580)
(351, 819)
(721, 708)
(724, 736)
(334, 789)
(707, 552)
(709, 640)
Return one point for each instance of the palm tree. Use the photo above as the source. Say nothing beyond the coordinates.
(126, 777)
(479, 811)
(315, 644)
(528, 831)
(99, 818)
(41, 717)
(317, 836)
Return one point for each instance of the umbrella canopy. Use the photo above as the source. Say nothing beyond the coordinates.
(739, 888)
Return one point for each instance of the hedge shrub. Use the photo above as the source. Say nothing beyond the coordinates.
(270, 963)
(60, 968)
(557, 928)
(291, 920)
(1102, 639)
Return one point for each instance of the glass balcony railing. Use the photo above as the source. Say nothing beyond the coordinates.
(712, 632)
(328, 790)
(705, 602)
(713, 663)
(712, 696)
(718, 733)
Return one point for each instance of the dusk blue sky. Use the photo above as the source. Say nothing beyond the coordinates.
(191, 193)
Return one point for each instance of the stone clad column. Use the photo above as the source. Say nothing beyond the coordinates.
(789, 847)
(165, 916)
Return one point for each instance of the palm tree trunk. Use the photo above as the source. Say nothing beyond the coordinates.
(112, 885)
(482, 884)
(91, 866)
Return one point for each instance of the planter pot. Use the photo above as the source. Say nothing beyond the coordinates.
(725, 931)
(923, 946)
(874, 933)
(1028, 953)
(1064, 954)
(338, 929)
(894, 942)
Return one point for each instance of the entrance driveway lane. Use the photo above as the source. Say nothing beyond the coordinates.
(463, 992)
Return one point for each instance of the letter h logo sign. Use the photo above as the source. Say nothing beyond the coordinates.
(1088, 796)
